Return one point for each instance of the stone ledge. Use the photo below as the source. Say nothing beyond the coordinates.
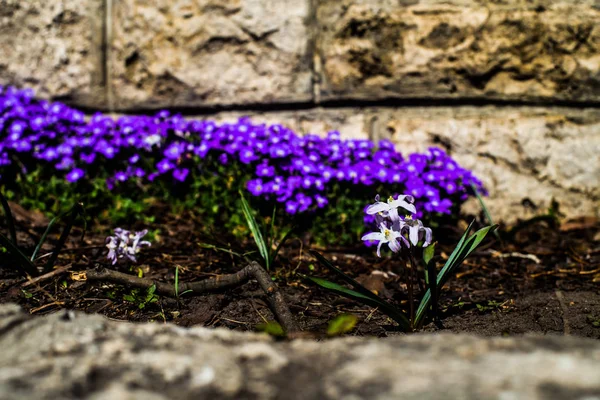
(183, 54)
(74, 355)
(510, 50)
(54, 48)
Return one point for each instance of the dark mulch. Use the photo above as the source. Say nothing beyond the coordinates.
(544, 280)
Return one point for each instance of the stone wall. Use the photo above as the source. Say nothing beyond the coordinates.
(511, 88)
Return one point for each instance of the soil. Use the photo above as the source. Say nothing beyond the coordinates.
(541, 278)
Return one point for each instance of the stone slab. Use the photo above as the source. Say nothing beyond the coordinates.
(526, 156)
(187, 53)
(54, 47)
(74, 355)
(537, 50)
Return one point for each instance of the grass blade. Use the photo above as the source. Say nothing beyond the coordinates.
(24, 262)
(355, 285)
(433, 289)
(74, 213)
(375, 302)
(462, 250)
(10, 222)
(281, 243)
(255, 229)
(47, 231)
(486, 212)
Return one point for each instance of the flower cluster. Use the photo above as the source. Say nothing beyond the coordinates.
(297, 171)
(125, 244)
(397, 231)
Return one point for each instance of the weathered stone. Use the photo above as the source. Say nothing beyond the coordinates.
(521, 153)
(73, 355)
(511, 50)
(318, 121)
(53, 47)
(198, 53)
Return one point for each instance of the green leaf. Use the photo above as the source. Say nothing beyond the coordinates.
(394, 313)
(462, 250)
(24, 263)
(76, 210)
(9, 219)
(281, 242)
(151, 290)
(341, 324)
(273, 328)
(255, 229)
(486, 212)
(428, 253)
(357, 286)
(433, 289)
(47, 231)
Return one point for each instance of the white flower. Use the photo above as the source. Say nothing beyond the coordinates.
(386, 235)
(390, 208)
(416, 231)
(125, 244)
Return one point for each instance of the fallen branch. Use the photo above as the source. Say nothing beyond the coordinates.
(251, 271)
(47, 276)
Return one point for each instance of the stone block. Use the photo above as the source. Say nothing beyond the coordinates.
(525, 153)
(74, 355)
(54, 47)
(187, 53)
(511, 50)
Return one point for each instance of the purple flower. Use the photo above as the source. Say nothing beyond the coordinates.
(265, 169)
(125, 244)
(291, 207)
(75, 175)
(255, 186)
(180, 174)
(321, 200)
(121, 176)
(174, 151)
(164, 165)
(247, 156)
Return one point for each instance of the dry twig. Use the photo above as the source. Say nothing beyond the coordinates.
(251, 271)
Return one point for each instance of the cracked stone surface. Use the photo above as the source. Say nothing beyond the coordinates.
(514, 49)
(53, 47)
(73, 355)
(189, 53)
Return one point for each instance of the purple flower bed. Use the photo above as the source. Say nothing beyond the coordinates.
(297, 171)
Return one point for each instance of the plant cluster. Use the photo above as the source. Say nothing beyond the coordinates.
(170, 157)
(411, 241)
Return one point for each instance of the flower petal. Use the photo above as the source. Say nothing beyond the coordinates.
(395, 245)
(413, 234)
(379, 249)
(428, 237)
(377, 207)
(374, 236)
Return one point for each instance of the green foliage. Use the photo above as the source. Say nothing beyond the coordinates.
(341, 324)
(211, 193)
(265, 248)
(26, 264)
(594, 320)
(490, 306)
(273, 328)
(464, 248)
(142, 298)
